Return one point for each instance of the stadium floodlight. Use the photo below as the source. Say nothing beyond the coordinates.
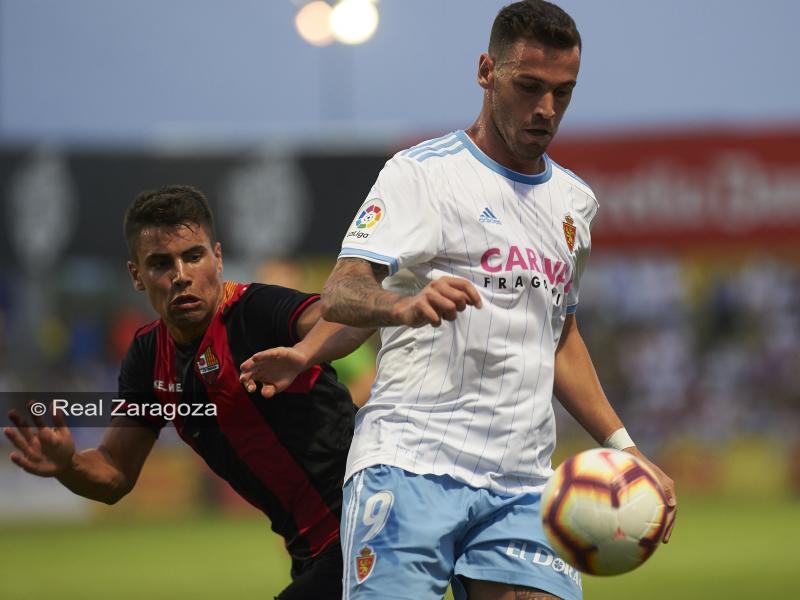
(354, 21)
(313, 23)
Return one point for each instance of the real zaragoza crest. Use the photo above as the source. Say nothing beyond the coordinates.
(569, 231)
(365, 561)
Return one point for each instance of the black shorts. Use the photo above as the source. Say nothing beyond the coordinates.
(318, 578)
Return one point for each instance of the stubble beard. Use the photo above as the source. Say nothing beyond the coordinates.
(507, 132)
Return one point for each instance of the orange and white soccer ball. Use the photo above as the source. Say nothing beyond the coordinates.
(603, 511)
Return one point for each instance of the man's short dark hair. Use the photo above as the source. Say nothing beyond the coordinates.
(534, 20)
(170, 206)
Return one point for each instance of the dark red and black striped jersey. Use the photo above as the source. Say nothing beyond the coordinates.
(285, 455)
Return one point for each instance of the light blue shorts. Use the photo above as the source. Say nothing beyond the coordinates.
(405, 536)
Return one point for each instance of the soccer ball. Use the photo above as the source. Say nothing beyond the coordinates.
(603, 511)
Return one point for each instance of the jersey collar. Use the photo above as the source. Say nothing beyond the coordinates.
(495, 166)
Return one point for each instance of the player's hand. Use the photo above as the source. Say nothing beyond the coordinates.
(44, 451)
(669, 491)
(441, 299)
(275, 369)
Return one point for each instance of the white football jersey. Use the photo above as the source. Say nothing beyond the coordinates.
(473, 398)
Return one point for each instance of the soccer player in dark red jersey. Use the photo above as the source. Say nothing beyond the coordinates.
(284, 452)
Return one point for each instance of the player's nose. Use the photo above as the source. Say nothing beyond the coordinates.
(545, 108)
(181, 274)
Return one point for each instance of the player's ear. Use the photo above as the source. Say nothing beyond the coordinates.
(485, 71)
(218, 256)
(136, 278)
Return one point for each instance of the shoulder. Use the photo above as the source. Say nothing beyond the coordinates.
(148, 329)
(139, 360)
(265, 299)
(425, 161)
(268, 314)
(266, 292)
(582, 193)
(449, 144)
(254, 289)
(418, 170)
(252, 293)
(144, 340)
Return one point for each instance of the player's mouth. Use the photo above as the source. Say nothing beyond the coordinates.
(186, 302)
(537, 133)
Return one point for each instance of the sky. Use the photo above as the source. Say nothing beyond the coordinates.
(173, 71)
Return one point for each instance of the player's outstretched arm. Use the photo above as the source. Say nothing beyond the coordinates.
(353, 296)
(276, 368)
(578, 389)
(105, 473)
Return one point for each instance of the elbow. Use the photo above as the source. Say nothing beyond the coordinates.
(326, 307)
(113, 497)
(116, 491)
(111, 500)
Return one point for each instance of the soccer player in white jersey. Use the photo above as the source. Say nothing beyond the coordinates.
(453, 448)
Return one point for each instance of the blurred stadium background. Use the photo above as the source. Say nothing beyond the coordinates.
(686, 122)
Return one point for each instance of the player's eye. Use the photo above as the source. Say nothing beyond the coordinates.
(161, 264)
(563, 92)
(529, 88)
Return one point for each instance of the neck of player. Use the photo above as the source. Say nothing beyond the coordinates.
(488, 139)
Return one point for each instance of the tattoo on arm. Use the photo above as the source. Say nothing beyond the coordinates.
(353, 295)
(381, 272)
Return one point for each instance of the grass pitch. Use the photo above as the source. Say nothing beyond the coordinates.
(720, 549)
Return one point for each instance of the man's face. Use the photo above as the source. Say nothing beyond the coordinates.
(529, 88)
(182, 274)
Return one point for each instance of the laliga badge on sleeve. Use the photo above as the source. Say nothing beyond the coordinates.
(365, 561)
(370, 215)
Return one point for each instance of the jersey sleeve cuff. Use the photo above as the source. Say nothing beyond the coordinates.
(297, 312)
(571, 309)
(371, 257)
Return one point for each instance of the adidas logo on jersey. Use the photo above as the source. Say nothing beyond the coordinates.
(487, 216)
